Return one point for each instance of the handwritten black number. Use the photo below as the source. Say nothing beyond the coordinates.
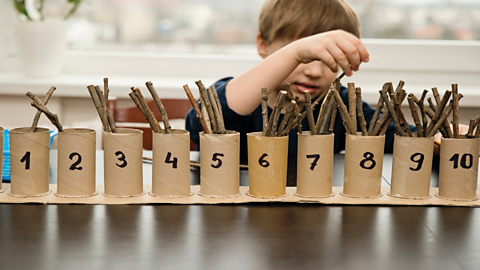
(315, 157)
(219, 161)
(121, 158)
(463, 161)
(420, 159)
(264, 163)
(368, 157)
(174, 161)
(26, 159)
(76, 163)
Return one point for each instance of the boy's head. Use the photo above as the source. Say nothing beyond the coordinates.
(284, 21)
(290, 20)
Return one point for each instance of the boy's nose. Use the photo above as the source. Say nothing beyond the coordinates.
(313, 69)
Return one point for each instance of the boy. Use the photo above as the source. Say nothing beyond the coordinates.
(302, 43)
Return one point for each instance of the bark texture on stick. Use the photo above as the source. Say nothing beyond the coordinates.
(438, 112)
(41, 107)
(206, 102)
(98, 106)
(333, 117)
(376, 114)
(455, 111)
(276, 113)
(161, 108)
(416, 118)
(344, 114)
(39, 113)
(286, 117)
(216, 111)
(308, 107)
(148, 113)
(264, 103)
(391, 111)
(352, 105)
(197, 111)
(361, 117)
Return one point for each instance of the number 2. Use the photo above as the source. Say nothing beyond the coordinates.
(79, 160)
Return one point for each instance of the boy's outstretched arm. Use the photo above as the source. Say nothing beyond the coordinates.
(334, 48)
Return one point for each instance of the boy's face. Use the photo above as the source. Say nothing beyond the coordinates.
(315, 77)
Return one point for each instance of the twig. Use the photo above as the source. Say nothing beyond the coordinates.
(471, 127)
(161, 108)
(333, 117)
(308, 107)
(455, 111)
(111, 121)
(325, 120)
(198, 113)
(290, 94)
(286, 117)
(291, 121)
(148, 113)
(416, 119)
(264, 103)
(361, 117)
(37, 115)
(438, 112)
(376, 114)
(421, 105)
(39, 105)
(323, 108)
(217, 100)
(276, 113)
(391, 111)
(344, 114)
(206, 102)
(398, 108)
(217, 111)
(203, 110)
(102, 103)
(442, 119)
(98, 106)
(352, 105)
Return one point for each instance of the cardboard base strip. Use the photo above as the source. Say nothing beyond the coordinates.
(75, 196)
(243, 198)
(153, 195)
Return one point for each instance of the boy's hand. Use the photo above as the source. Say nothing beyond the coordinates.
(334, 48)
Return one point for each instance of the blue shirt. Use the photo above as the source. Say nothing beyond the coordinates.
(253, 122)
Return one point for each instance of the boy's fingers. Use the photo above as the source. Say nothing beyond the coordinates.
(362, 50)
(326, 57)
(340, 58)
(351, 52)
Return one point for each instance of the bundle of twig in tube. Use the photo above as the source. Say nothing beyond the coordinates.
(416, 118)
(324, 120)
(324, 110)
(196, 109)
(142, 105)
(333, 117)
(438, 112)
(391, 111)
(102, 109)
(161, 108)
(346, 120)
(286, 118)
(211, 102)
(445, 130)
(41, 107)
(37, 115)
(273, 121)
(398, 109)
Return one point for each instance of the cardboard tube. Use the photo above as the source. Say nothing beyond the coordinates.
(123, 163)
(412, 167)
(1, 159)
(458, 169)
(363, 166)
(29, 162)
(76, 163)
(314, 165)
(171, 164)
(267, 165)
(219, 162)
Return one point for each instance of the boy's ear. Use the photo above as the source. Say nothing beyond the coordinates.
(261, 47)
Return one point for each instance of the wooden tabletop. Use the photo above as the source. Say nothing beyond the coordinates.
(249, 236)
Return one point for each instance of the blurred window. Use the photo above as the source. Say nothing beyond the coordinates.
(219, 26)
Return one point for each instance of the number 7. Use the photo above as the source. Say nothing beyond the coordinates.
(315, 157)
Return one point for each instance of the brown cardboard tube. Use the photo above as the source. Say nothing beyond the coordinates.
(123, 163)
(171, 164)
(76, 163)
(363, 166)
(458, 169)
(314, 165)
(267, 165)
(219, 161)
(1, 159)
(29, 162)
(412, 167)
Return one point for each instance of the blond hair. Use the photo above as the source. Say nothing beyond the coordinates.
(294, 19)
